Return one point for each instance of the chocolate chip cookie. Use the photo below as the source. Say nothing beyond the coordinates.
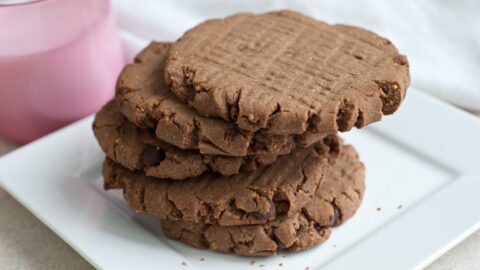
(285, 73)
(337, 198)
(257, 197)
(139, 149)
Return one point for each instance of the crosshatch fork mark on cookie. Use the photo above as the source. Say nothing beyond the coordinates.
(280, 70)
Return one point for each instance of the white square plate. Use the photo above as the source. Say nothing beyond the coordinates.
(423, 196)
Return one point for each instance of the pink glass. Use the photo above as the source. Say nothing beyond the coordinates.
(59, 60)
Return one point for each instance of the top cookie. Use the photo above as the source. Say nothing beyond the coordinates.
(145, 100)
(287, 73)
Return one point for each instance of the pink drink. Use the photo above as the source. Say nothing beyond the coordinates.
(41, 91)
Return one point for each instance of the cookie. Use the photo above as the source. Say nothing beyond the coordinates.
(139, 149)
(286, 73)
(145, 100)
(337, 198)
(255, 197)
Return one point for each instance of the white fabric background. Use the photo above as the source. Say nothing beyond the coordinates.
(440, 38)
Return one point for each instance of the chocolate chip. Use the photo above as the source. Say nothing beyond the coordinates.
(313, 121)
(283, 206)
(281, 202)
(279, 197)
(359, 57)
(152, 156)
(280, 245)
(254, 145)
(191, 92)
(266, 216)
(335, 216)
(258, 215)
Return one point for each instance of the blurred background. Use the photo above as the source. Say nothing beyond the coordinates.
(59, 60)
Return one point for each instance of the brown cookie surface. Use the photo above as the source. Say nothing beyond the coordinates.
(337, 198)
(281, 188)
(287, 73)
(145, 100)
(139, 149)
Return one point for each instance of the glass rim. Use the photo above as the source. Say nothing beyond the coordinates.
(22, 4)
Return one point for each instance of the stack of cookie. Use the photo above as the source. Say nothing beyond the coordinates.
(229, 135)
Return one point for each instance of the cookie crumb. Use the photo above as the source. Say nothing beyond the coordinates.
(261, 265)
(252, 262)
(280, 264)
(334, 246)
(379, 209)
(400, 206)
(284, 256)
(184, 263)
(202, 259)
(307, 268)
